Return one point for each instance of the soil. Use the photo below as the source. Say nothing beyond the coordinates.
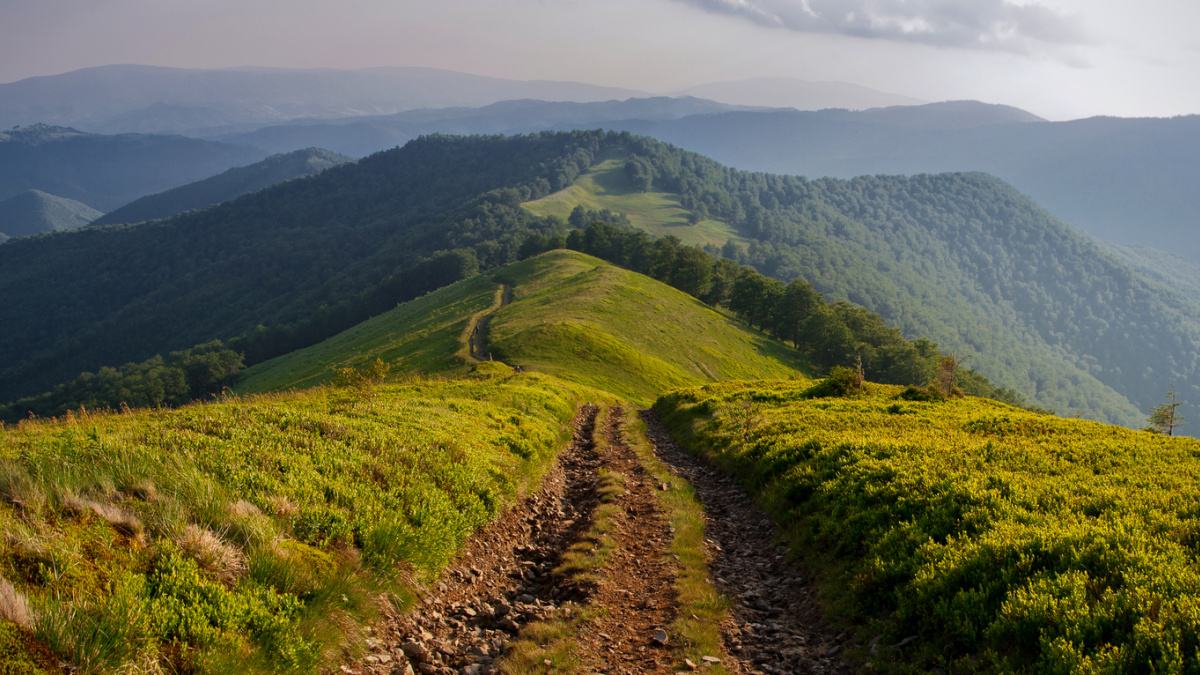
(504, 578)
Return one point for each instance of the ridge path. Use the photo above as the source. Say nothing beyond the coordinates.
(505, 577)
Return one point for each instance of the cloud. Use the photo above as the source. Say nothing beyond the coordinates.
(973, 24)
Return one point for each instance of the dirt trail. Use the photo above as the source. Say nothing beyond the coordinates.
(504, 578)
(776, 624)
(477, 337)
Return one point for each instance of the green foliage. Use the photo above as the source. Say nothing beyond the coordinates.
(1008, 541)
(830, 335)
(961, 259)
(16, 655)
(304, 260)
(1165, 418)
(184, 376)
(321, 505)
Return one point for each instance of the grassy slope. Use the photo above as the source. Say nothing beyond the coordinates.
(572, 316)
(581, 319)
(605, 186)
(1008, 541)
(423, 335)
(256, 532)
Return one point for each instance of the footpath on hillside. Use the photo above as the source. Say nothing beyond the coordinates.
(477, 333)
(516, 590)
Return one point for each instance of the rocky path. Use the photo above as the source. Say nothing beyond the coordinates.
(505, 578)
(776, 624)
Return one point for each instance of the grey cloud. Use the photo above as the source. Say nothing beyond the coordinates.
(977, 24)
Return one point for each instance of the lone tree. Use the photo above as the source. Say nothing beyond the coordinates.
(1164, 418)
(948, 365)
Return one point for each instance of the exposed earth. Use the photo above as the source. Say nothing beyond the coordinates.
(505, 579)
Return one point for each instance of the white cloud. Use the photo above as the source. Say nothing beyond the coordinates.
(1001, 25)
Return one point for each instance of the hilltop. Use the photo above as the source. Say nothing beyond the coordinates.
(571, 315)
(35, 211)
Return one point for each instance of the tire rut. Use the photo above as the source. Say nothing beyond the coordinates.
(776, 624)
(501, 580)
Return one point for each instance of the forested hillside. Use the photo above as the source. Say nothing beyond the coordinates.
(105, 172)
(969, 262)
(225, 186)
(962, 259)
(306, 259)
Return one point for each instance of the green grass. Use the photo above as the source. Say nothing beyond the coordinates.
(254, 534)
(572, 316)
(583, 320)
(606, 186)
(424, 335)
(1007, 541)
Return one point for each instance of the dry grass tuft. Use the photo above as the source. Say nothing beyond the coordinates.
(145, 491)
(282, 506)
(244, 509)
(225, 562)
(121, 520)
(13, 605)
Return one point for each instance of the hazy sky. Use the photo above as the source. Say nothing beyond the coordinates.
(1058, 58)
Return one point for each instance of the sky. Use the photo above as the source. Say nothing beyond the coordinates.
(1062, 59)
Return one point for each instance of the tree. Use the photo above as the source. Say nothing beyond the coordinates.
(1165, 417)
(946, 369)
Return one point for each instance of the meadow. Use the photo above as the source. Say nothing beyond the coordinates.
(256, 534)
(999, 540)
(606, 186)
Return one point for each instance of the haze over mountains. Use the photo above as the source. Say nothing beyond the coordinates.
(35, 211)
(105, 172)
(148, 99)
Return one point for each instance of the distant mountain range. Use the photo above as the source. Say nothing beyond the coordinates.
(148, 99)
(361, 136)
(788, 92)
(34, 212)
(105, 172)
(226, 186)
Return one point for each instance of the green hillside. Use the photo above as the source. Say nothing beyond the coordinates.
(105, 172)
(226, 186)
(1005, 541)
(257, 534)
(606, 185)
(35, 212)
(423, 335)
(962, 259)
(571, 315)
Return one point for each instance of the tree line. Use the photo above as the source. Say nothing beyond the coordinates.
(184, 376)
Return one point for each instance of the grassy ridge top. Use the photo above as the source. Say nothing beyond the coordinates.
(606, 186)
(572, 316)
(587, 321)
(1008, 541)
(254, 534)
